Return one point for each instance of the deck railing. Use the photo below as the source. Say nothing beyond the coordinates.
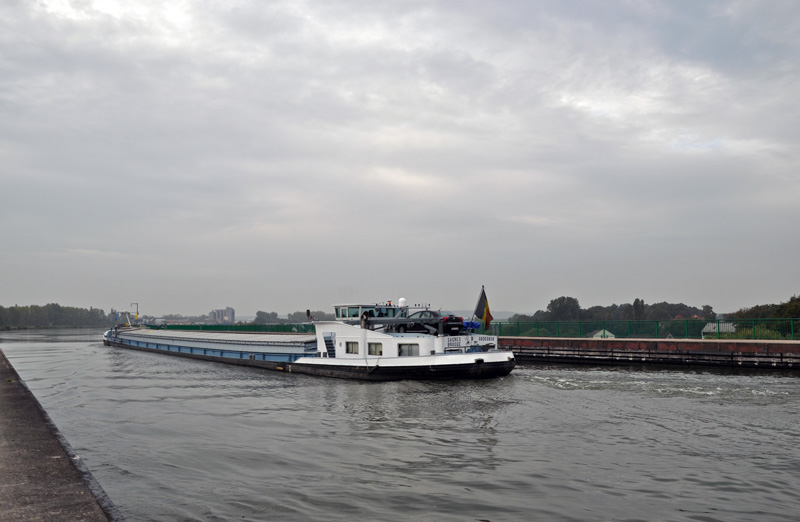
(762, 329)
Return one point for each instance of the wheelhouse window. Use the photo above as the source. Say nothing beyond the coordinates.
(408, 350)
(375, 348)
(385, 312)
(352, 347)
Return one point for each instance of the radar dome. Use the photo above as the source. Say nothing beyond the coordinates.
(401, 302)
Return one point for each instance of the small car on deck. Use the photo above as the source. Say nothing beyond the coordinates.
(432, 321)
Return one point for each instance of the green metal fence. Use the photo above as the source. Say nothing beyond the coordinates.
(269, 328)
(773, 329)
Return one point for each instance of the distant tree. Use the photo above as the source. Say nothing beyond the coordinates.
(757, 312)
(52, 314)
(625, 312)
(791, 308)
(521, 318)
(300, 317)
(668, 311)
(638, 309)
(595, 313)
(266, 318)
(564, 309)
(708, 313)
(178, 318)
(540, 315)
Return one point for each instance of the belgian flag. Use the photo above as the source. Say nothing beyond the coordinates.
(482, 310)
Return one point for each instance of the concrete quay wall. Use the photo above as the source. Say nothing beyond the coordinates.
(770, 355)
(40, 476)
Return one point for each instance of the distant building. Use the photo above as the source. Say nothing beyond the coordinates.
(601, 334)
(226, 316)
(717, 328)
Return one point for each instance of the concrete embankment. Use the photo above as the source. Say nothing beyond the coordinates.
(772, 355)
(40, 477)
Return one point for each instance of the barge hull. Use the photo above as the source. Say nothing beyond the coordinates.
(485, 370)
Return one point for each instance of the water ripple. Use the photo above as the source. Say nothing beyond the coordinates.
(177, 439)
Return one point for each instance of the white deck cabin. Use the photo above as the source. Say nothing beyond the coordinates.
(345, 341)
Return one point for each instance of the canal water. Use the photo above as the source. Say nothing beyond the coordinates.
(179, 439)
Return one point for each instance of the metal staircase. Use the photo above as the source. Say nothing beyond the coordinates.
(330, 345)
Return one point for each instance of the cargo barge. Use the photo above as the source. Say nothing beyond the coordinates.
(377, 342)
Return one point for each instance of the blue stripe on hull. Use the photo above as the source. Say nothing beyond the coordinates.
(207, 353)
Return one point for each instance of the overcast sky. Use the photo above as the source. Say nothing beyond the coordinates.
(284, 155)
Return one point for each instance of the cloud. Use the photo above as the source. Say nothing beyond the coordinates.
(296, 154)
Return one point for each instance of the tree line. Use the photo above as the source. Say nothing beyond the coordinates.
(293, 318)
(569, 309)
(55, 315)
(52, 315)
(559, 309)
(788, 310)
